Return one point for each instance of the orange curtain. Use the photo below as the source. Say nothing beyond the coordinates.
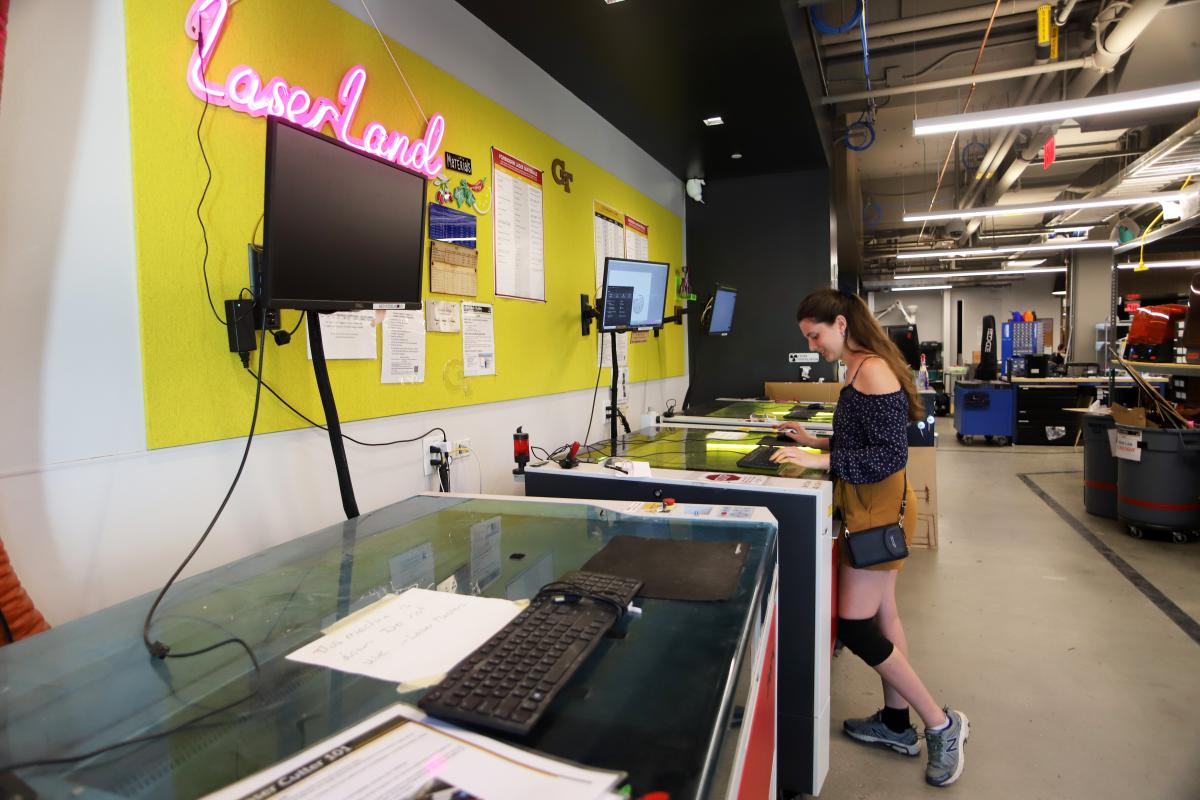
(20, 615)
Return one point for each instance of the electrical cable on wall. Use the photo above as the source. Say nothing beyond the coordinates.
(404, 78)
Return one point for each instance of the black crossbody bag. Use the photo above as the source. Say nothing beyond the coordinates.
(882, 544)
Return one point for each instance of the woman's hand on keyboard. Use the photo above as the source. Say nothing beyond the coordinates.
(797, 433)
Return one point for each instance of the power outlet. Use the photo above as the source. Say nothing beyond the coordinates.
(461, 446)
(432, 440)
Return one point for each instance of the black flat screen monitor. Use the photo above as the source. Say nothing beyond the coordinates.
(342, 229)
(635, 294)
(905, 338)
(721, 321)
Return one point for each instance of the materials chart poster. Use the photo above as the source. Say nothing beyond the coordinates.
(517, 217)
(479, 340)
(608, 237)
(403, 347)
(637, 239)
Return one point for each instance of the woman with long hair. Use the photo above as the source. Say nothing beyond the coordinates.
(867, 458)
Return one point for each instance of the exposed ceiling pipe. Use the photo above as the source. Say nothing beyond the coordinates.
(926, 23)
(1003, 141)
(925, 37)
(1063, 12)
(1109, 50)
(1032, 71)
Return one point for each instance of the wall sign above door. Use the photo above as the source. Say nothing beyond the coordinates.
(245, 91)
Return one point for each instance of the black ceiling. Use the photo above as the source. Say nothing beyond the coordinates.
(656, 68)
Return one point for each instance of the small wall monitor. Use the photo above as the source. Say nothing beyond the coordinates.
(634, 294)
(342, 229)
(720, 323)
(905, 338)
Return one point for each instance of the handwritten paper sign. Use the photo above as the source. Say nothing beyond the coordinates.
(410, 638)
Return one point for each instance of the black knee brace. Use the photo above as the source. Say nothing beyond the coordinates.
(863, 638)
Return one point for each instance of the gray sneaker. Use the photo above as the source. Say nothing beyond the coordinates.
(947, 751)
(871, 730)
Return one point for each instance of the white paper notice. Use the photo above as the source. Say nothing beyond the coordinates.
(442, 316)
(517, 221)
(347, 334)
(403, 347)
(732, 436)
(605, 350)
(401, 754)
(485, 553)
(608, 237)
(637, 239)
(409, 638)
(413, 567)
(479, 340)
(1129, 445)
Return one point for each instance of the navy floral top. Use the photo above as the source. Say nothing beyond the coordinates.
(870, 436)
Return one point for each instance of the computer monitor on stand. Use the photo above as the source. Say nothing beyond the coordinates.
(342, 230)
(632, 297)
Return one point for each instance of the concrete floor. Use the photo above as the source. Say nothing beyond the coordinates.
(1076, 684)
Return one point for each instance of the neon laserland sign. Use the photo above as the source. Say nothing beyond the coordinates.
(244, 91)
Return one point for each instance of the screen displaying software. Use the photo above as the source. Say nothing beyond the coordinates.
(721, 321)
(635, 294)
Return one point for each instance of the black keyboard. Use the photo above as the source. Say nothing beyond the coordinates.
(511, 679)
(759, 458)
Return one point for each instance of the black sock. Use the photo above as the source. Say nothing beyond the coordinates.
(896, 719)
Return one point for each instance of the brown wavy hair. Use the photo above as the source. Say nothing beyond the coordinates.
(824, 305)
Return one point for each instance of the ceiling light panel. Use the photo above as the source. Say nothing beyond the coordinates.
(711, 121)
(1176, 94)
(993, 273)
(1059, 205)
(1000, 252)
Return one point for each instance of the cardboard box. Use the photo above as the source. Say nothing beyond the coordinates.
(802, 391)
(922, 477)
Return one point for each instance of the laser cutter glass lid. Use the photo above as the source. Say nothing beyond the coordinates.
(634, 294)
(342, 229)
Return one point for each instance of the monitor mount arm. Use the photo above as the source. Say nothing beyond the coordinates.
(896, 306)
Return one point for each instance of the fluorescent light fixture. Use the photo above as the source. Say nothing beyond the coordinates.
(999, 273)
(1058, 205)
(999, 252)
(919, 288)
(1180, 264)
(1046, 232)
(1060, 293)
(710, 121)
(735, 155)
(610, 2)
(1024, 262)
(1174, 95)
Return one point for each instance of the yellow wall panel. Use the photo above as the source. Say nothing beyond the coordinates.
(195, 390)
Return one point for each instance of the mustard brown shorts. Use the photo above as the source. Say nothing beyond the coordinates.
(869, 505)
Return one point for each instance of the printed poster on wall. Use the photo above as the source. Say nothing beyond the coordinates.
(403, 347)
(637, 239)
(518, 226)
(608, 237)
(346, 335)
(479, 340)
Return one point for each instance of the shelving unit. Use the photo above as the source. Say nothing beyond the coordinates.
(1190, 370)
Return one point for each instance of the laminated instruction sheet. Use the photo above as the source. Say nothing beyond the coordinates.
(517, 217)
(479, 339)
(402, 754)
(403, 347)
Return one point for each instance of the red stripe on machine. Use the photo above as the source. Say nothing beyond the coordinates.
(1161, 506)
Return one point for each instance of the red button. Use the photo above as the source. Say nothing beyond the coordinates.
(668, 501)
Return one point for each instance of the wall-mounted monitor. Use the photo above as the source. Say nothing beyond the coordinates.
(720, 321)
(634, 294)
(342, 229)
(905, 338)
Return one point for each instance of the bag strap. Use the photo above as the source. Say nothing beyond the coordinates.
(904, 497)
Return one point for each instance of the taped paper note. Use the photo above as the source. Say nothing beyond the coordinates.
(347, 335)
(409, 638)
(403, 347)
